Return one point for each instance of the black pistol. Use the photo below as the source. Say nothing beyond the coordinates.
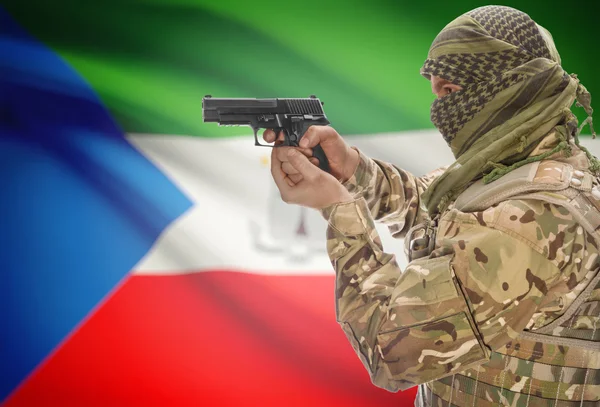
(292, 116)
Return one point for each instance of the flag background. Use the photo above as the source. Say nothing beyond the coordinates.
(147, 258)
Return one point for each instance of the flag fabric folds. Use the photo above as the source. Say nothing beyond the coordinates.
(147, 257)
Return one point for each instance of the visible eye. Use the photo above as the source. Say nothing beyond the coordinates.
(448, 90)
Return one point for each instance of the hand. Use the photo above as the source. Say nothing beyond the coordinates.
(317, 189)
(343, 160)
(281, 153)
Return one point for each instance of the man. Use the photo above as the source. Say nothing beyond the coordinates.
(500, 303)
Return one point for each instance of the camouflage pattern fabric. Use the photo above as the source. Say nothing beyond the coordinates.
(514, 91)
(452, 322)
(397, 203)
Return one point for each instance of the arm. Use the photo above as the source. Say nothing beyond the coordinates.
(392, 195)
(445, 313)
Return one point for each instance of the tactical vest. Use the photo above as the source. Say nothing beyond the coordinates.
(556, 364)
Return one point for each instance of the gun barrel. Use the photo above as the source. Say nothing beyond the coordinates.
(217, 109)
(213, 109)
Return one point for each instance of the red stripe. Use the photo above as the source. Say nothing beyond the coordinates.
(210, 338)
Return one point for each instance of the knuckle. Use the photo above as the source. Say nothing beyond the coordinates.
(331, 132)
(311, 134)
(282, 153)
(306, 151)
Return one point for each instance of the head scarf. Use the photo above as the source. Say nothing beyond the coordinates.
(514, 92)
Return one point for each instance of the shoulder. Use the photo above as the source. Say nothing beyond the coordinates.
(546, 227)
(530, 204)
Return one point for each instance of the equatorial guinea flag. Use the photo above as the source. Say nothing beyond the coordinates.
(147, 257)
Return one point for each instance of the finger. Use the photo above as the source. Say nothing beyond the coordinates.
(275, 160)
(278, 175)
(303, 166)
(306, 151)
(288, 168)
(296, 178)
(269, 135)
(284, 183)
(282, 152)
(279, 139)
(293, 173)
(314, 135)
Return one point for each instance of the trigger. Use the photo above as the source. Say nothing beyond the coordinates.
(286, 137)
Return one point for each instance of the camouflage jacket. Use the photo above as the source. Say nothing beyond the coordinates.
(457, 313)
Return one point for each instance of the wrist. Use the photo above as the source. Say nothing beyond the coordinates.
(342, 196)
(345, 196)
(352, 160)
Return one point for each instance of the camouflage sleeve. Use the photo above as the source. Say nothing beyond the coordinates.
(392, 194)
(444, 313)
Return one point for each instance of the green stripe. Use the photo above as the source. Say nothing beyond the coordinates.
(152, 62)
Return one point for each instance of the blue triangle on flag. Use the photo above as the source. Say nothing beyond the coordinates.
(79, 205)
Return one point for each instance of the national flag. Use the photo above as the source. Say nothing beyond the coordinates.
(147, 257)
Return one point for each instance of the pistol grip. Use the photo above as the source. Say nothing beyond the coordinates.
(320, 155)
(299, 129)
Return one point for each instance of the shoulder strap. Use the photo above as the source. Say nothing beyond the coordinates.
(536, 176)
(551, 181)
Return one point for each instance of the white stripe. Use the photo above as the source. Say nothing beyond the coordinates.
(239, 222)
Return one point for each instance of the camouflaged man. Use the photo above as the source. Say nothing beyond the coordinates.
(500, 302)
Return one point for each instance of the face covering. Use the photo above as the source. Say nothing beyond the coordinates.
(514, 93)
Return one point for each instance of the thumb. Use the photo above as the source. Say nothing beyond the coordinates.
(301, 163)
(313, 136)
